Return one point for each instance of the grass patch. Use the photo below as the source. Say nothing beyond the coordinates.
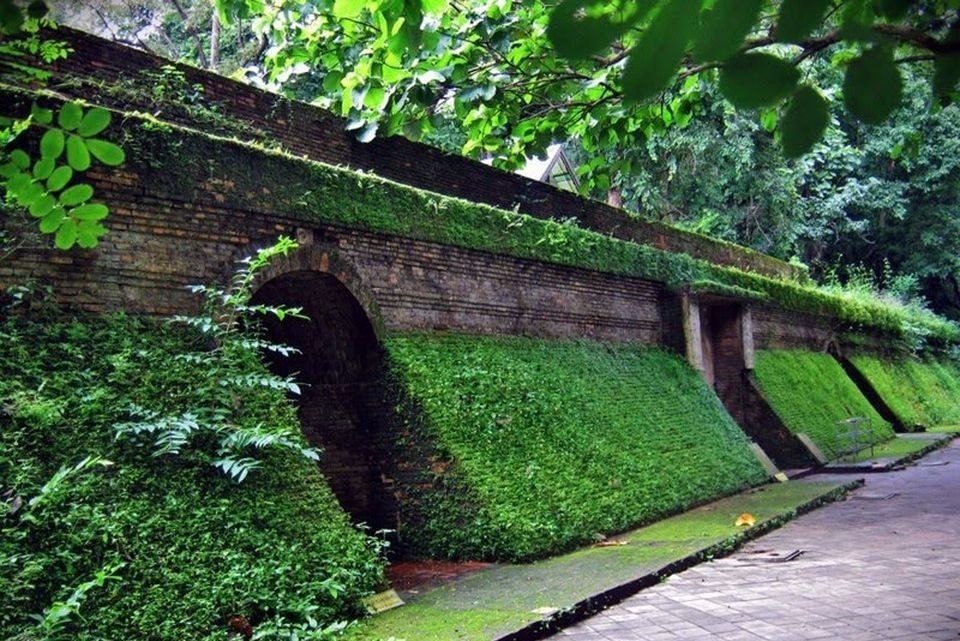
(896, 448)
(540, 445)
(811, 393)
(499, 600)
(918, 392)
(944, 429)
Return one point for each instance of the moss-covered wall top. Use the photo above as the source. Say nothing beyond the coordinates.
(170, 162)
(128, 79)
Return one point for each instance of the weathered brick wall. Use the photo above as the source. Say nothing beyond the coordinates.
(317, 134)
(161, 242)
(777, 328)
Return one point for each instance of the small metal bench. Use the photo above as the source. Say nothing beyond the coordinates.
(858, 437)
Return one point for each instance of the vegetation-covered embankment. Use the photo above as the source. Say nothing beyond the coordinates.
(811, 394)
(138, 546)
(919, 392)
(546, 444)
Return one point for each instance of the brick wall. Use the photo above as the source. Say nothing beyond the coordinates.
(777, 328)
(317, 134)
(170, 228)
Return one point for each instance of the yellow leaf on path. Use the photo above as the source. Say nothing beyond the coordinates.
(745, 520)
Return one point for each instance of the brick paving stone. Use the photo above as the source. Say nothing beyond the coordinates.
(870, 571)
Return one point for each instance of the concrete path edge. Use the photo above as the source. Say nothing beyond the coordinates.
(593, 604)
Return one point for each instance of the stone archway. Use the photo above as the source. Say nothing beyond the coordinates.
(340, 365)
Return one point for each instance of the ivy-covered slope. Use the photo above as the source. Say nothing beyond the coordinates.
(918, 392)
(552, 443)
(811, 393)
(189, 548)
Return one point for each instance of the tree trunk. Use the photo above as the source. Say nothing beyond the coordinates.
(214, 41)
(615, 198)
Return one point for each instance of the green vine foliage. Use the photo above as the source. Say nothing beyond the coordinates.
(811, 394)
(228, 374)
(920, 393)
(539, 445)
(196, 548)
(45, 182)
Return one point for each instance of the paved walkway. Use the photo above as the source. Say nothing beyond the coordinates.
(871, 568)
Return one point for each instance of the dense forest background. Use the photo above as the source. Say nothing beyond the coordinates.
(872, 207)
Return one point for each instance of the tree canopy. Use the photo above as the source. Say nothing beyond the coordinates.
(518, 75)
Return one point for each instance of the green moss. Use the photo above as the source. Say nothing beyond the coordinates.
(498, 601)
(559, 441)
(919, 392)
(899, 448)
(811, 393)
(197, 548)
(721, 289)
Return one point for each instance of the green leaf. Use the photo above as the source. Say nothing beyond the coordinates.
(11, 18)
(754, 80)
(582, 28)
(66, 235)
(59, 178)
(77, 154)
(20, 158)
(51, 145)
(43, 168)
(106, 152)
(892, 9)
(30, 193)
(88, 232)
(42, 206)
(724, 28)
(368, 132)
(37, 9)
(70, 116)
(52, 221)
(946, 73)
(799, 17)
(76, 195)
(768, 120)
(90, 211)
(872, 86)
(95, 121)
(40, 115)
(348, 8)
(803, 122)
(656, 56)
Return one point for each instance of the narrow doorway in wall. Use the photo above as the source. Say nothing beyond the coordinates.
(721, 335)
(341, 405)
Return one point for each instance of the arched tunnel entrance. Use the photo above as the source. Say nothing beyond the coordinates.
(340, 366)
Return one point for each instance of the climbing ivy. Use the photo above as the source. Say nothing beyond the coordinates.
(920, 393)
(539, 445)
(812, 394)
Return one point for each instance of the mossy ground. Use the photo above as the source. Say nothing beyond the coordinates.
(493, 602)
(897, 448)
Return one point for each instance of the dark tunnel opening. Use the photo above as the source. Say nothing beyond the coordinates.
(340, 368)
